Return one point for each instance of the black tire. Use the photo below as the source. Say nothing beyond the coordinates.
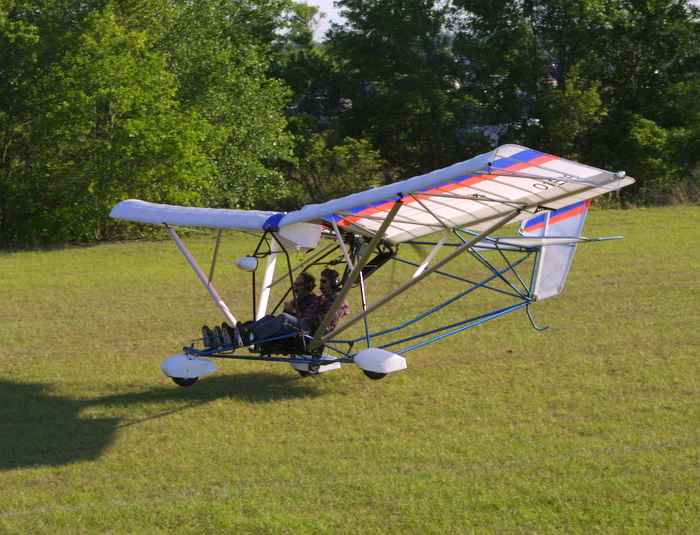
(305, 373)
(375, 376)
(184, 381)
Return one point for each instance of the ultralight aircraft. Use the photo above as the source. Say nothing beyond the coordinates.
(449, 212)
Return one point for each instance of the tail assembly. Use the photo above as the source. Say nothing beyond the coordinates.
(554, 261)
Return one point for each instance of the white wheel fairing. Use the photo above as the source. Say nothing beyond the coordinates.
(187, 367)
(377, 360)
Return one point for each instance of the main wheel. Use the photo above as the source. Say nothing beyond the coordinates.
(313, 370)
(184, 381)
(374, 375)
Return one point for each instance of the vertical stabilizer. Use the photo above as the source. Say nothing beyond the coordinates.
(554, 261)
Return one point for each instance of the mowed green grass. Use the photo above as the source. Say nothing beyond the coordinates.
(590, 426)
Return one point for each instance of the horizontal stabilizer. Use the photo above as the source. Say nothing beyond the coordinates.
(530, 242)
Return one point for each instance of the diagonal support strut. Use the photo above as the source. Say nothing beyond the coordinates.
(354, 275)
(459, 250)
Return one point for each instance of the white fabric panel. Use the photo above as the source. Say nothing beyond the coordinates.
(508, 176)
(158, 214)
(554, 262)
(517, 175)
(391, 191)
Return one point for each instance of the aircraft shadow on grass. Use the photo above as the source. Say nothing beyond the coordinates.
(38, 428)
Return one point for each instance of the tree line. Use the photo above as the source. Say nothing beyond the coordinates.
(231, 103)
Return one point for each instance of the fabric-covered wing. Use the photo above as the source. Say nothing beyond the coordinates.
(159, 214)
(471, 194)
(300, 236)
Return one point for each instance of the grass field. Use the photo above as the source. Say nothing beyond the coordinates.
(591, 426)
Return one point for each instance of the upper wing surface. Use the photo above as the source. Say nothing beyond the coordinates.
(472, 194)
(159, 214)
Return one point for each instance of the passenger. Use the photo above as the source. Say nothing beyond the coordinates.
(330, 288)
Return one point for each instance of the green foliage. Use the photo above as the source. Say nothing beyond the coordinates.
(112, 129)
(651, 148)
(100, 123)
(101, 101)
(295, 30)
(682, 110)
(223, 78)
(325, 170)
(584, 71)
(311, 74)
(401, 79)
(231, 103)
(498, 49)
(568, 116)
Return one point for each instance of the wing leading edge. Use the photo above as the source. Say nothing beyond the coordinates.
(185, 216)
(300, 235)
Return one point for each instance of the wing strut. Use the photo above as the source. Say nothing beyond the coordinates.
(215, 255)
(426, 261)
(267, 278)
(354, 274)
(341, 242)
(230, 318)
(459, 250)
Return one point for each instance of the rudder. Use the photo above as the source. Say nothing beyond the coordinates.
(554, 261)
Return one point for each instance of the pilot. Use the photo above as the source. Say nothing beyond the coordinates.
(300, 314)
(304, 306)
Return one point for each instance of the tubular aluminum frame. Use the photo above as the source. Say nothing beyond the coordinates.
(215, 255)
(414, 341)
(522, 301)
(421, 339)
(360, 263)
(429, 258)
(307, 263)
(411, 282)
(455, 328)
(490, 266)
(457, 277)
